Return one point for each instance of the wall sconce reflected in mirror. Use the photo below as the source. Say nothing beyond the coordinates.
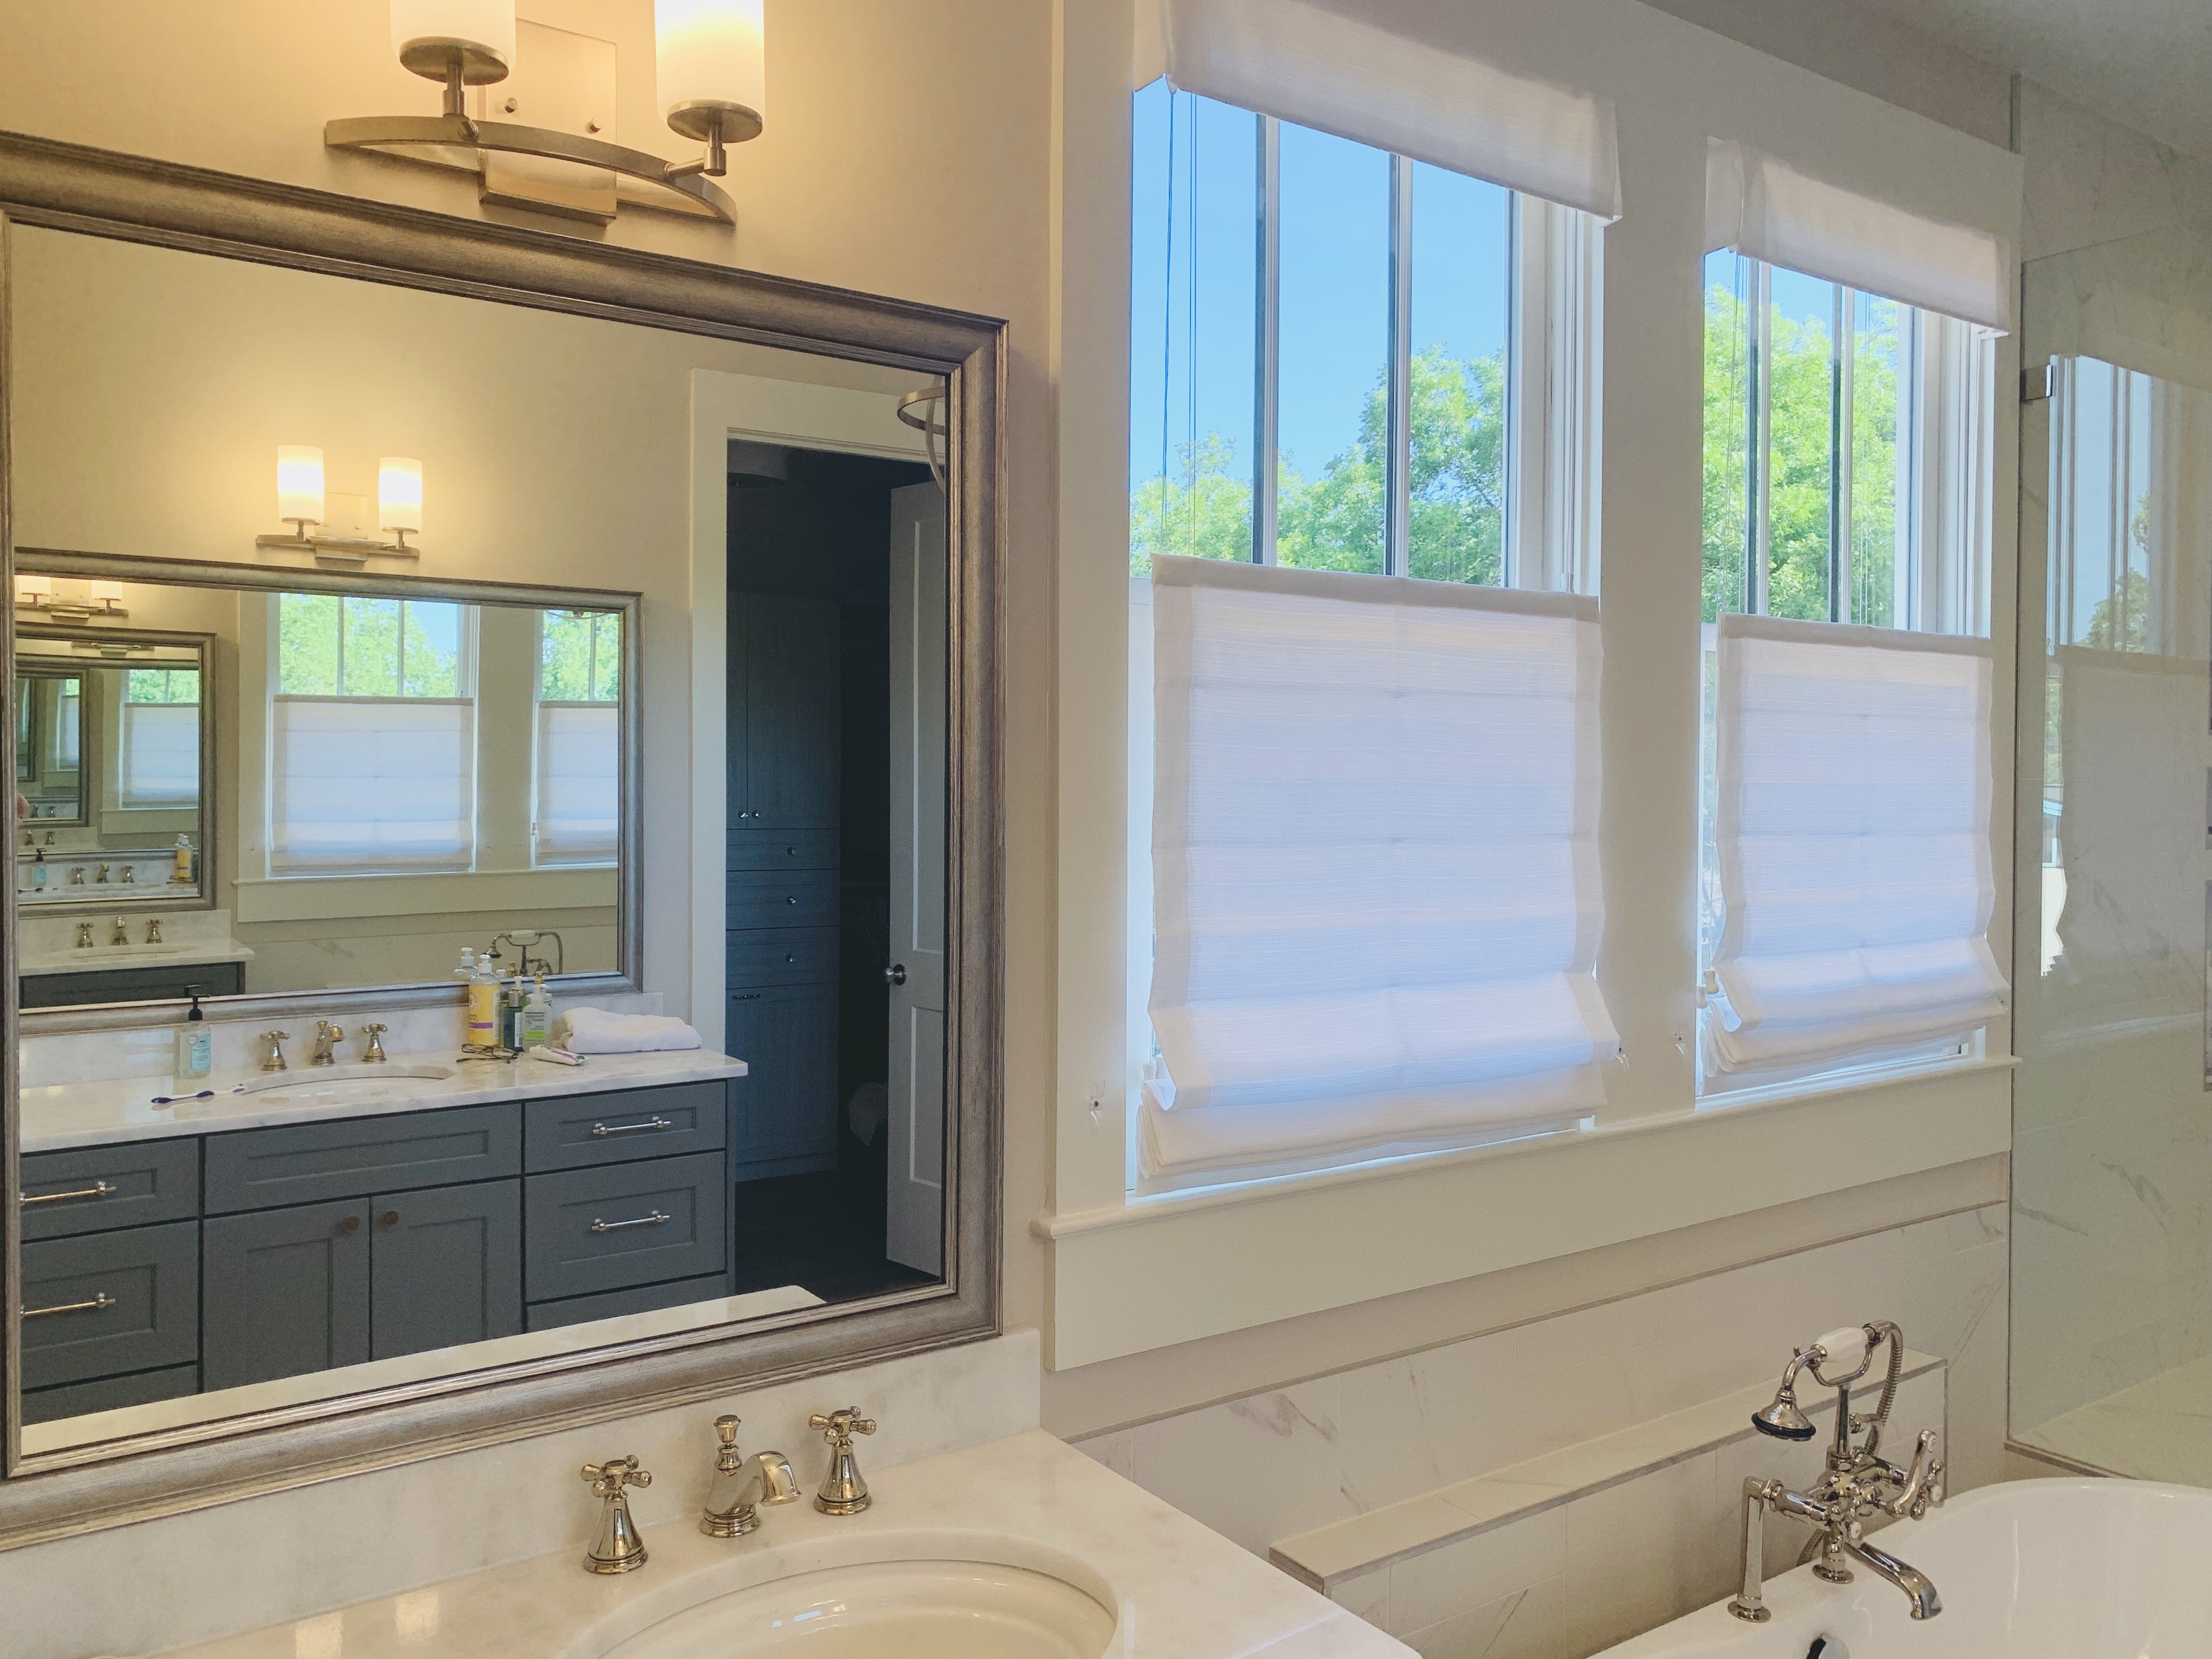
(93, 601)
(710, 59)
(303, 502)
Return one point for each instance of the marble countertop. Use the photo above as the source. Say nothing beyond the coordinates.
(1180, 1591)
(102, 959)
(60, 1115)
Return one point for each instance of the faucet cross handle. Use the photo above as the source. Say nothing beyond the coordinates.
(843, 1490)
(272, 1049)
(374, 1054)
(615, 1546)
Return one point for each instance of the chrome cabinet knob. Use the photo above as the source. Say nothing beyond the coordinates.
(895, 974)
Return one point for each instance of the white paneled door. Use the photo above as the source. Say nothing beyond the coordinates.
(915, 1223)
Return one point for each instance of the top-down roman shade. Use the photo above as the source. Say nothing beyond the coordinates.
(1851, 825)
(1320, 66)
(579, 782)
(1375, 898)
(1767, 210)
(160, 754)
(362, 785)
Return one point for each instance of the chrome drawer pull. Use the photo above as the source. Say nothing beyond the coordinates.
(98, 1303)
(98, 1189)
(656, 1219)
(651, 1125)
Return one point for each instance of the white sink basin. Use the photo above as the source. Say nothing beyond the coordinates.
(341, 1083)
(884, 1596)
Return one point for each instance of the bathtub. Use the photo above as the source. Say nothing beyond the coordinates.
(2027, 1570)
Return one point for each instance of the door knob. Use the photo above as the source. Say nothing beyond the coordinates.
(895, 974)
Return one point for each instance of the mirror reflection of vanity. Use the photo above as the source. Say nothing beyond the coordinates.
(334, 770)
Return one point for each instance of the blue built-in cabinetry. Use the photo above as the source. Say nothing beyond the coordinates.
(156, 1268)
(785, 691)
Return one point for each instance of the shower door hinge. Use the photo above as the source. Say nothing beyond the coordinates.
(2035, 384)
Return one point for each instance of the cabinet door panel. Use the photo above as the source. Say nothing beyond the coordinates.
(792, 648)
(628, 1224)
(445, 1267)
(786, 1106)
(576, 1131)
(359, 1156)
(286, 1292)
(109, 1303)
(781, 956)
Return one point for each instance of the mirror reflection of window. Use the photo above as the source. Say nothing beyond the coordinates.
(373, 729)
(579, 783)
(161, 757)
(66, 745)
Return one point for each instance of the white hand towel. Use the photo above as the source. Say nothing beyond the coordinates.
(596, 1031)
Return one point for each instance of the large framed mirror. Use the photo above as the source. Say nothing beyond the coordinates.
(507, 823)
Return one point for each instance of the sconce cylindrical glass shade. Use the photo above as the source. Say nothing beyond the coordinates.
(400, 494)
(300, 483)
(106, 592)
(712, 57)
(28, 588)
(425, 32)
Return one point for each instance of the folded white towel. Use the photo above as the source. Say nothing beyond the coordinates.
(596, 1031)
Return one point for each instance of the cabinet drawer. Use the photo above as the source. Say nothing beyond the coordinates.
(125, 1300)
(629, 1224)
(93, 1188)
(109, 1393)
(613, 1305)
(783, 899)
(359, 1156)
(210, 979)
(621, 1126)
(783, 849)
(783, 955)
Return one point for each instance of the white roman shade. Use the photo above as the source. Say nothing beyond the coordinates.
(1852, 829)
(1767, 210)
(364, 785)
(1376, 908)
(579, 782)
(1320, 66)
(160, 754)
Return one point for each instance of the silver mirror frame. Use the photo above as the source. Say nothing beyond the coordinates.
(629, 945)
(68, 187)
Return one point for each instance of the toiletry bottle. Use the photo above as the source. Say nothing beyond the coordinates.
(469, 976)
(536, 1023)
(39, 867)
(195, 1043)
(483, 1005)
(183, 876)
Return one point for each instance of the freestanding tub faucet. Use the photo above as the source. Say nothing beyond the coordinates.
(1858, 1483)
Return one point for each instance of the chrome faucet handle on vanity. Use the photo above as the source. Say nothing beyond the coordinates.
(327, 1038)
(84, 936)
(742, 1484)
(122, 932)
(615, 1546)
(153, 930)
(843, 1492)
(272, 1049)
(1858, 1483)
(373, 1055)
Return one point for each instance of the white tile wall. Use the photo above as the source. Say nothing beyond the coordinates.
(1572, 1580)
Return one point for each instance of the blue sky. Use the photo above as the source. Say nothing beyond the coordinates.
(1335, 279)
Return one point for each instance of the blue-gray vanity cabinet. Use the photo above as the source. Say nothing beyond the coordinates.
(131, 1183)
(287, 1291)
(108, 1393)
(356, 1157)
(796, 897)
(624, 1224)
(624, 1126)
(781, 956)
(102, 1303)
(786, 689)
(783, 1112)
(642, 1299)
(445, 1268)
(764, 850)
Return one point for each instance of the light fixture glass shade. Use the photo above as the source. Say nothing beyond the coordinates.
(108, 592)
(300, 483)
(400, 494)
(426, 32)
(712, 58)
(28, 588)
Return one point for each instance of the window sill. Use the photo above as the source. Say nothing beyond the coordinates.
(1298, 1245)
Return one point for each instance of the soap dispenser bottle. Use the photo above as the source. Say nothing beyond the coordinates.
(195, 1041)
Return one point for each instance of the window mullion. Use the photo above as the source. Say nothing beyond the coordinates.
(1755, 496)
(1398, 471)
(1267, 346)
(1843, 350)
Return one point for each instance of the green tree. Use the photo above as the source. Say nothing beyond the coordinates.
(1204, 512)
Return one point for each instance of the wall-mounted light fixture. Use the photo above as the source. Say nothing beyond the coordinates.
(301, 500)
(711, 62)
(90, 601)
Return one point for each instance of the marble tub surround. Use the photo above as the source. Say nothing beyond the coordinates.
(101, 1113)
(47, 943)
(297, 1554)
(1180, 1591)
(148, 1051)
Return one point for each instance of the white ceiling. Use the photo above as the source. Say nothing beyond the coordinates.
(2145, 63)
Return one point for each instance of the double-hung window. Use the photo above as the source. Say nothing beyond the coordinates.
(1847, 876)
(578, 736)
(373, 737)
(1364, 905)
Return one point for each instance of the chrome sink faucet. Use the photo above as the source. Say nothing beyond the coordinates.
(843, 1490)
(122, 934)
(1858, 1484)
(272, 1049)
(372, 1052)
(742, 1484)
(327, 1038)
(615, 1546)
